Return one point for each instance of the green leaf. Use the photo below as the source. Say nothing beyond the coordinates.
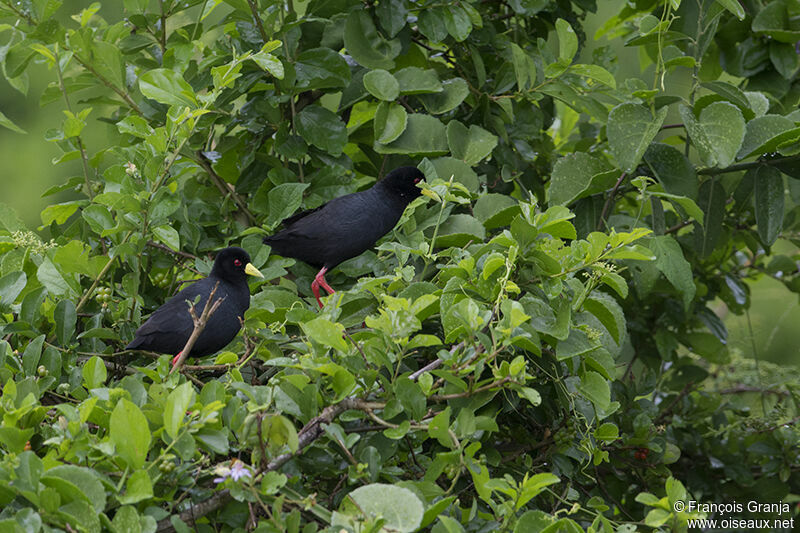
(594, 72)
(495, 210)
(454, 91)
(631, 128)
(382, 85)
(322, 128)
(458, 230)
(774, 21)
(459, 170)
(50, 276)
(6, 123)
(175, 408)
(410, 396)
(167, 87)
(578, 175)
(457, 22)
(76, 483)
(59, 213)
(524, 67)
(672, 169)
(766, 134)
(9, 219)
(129, 432)
(670, 261)
(65, 316)
(94, 373)
(595, 388)
(708, 346)
(424, 135)
(168, 235)
(365, 45)
(136, 126)
(769, 197)
(470, 145)
(431, 24)
(270, 63)
(10, 286)
(734, 7)
(784, 58)
(607, 432)
(414, 80)
(325, 332)
(390, 122)
(718, 134)
(283, 200)
(14, 439)
(438, 428)
(127, 519)
(608, 314)
(32, 354)
(711, 200)
(392, 15)
(321, 68)
(567, 41)
(109, 64)
(399, 508)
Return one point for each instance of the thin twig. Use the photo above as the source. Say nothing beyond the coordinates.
(610, 201)
(747, 166)
(433, 365)
(167, 249)
(223, 186)
(125, 96)
(257, 19)
(199, 325)
(467, 394)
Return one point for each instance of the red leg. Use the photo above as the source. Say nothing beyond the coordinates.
(175, 359)
(319, 281)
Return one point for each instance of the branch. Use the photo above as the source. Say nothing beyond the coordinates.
(610, 201)
(199, 325)
(467, 394)
(747, 166)
(125, 96)
(739, 389)
(167, 249)
(310, 432)
(225, 188)
(257, 19)
(436, 363)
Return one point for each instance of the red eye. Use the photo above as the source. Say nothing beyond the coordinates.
(417, 180)
(237, 262)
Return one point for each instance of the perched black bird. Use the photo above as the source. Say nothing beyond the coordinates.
(346, 226)
(169, 327)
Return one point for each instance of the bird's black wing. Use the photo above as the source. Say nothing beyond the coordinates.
(286, 222)
(171, 324)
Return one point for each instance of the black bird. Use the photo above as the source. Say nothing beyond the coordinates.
(169, 327)
(346, 226)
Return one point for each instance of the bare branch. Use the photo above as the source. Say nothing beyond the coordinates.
(199, 325)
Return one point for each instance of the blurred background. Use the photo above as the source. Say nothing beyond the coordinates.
(771, 332)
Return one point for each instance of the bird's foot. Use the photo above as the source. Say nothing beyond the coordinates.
(319, 281)
(175, 359)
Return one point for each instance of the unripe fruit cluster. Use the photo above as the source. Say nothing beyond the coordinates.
(103, 294)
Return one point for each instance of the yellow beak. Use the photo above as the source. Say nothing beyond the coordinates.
(253, 271)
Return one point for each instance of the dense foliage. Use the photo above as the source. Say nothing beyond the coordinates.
(532, 348)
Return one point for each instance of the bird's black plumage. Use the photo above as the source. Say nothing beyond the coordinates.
(346, 226)
(169, 327)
